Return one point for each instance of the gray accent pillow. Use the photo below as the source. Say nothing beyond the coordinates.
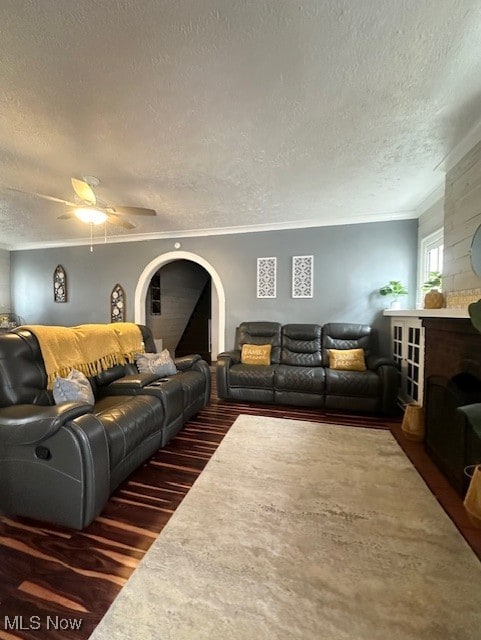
(159, 363)
(75, 387)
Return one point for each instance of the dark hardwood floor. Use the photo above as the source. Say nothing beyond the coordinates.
(60, 582)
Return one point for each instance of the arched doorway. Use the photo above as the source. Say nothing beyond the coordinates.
(218, 296)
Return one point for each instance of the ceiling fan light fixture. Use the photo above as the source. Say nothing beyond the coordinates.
(90, 215)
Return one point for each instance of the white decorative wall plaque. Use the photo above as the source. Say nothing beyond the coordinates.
(266, 277)
(302, 276)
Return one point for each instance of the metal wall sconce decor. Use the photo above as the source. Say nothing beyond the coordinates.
(117, 304)
(59, 284)
(155, 295)
(266, 277)
(302, 276)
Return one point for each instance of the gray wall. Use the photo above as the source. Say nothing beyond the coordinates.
(351, 262)
(4, 281)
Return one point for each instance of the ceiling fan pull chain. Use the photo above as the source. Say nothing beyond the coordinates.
(91, 236)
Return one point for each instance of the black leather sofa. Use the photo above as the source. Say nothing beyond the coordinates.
(299, 373)
(60, 463)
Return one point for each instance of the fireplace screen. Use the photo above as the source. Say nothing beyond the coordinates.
(445, 433)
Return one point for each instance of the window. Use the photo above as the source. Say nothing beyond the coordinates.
(155, 295)
(430, 259)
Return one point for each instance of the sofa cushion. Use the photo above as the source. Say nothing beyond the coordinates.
(260, 333)
(128, 421)
(300, 379)
(75, 387)
(352, 383)
(256, 354)
(301, 345)
(159, 363)
(344, 335)
(347, 359)
(252, 376)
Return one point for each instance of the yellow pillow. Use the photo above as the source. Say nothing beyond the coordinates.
(256, 353)
(347, 359)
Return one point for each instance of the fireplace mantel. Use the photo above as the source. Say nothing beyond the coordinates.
(427, 313)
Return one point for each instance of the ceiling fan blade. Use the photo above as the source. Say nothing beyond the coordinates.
(45, 197)
(83, 190)
(66, 216)
(134, 211)
(125, 224)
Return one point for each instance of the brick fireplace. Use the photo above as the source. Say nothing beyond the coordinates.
(452, 374)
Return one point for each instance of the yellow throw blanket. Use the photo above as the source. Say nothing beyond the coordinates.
(90, 348)
(130, 338)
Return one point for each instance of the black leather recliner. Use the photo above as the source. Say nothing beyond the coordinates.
(60, 463)
(299, 372)
(245, 382)
(374, 390)
(300, 379)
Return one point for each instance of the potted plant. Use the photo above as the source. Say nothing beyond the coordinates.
(474, 310)
(395, 289)
(433, 299)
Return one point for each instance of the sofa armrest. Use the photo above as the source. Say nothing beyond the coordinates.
(373, 362)
(388, 372)
(203, 367)
(135, 381)
(91, 442)
(66, 478)
(231, 357)
(225, 360)
(186, 362)
(30, 423)
(471, 413)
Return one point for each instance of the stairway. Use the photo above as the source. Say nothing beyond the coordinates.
(196, 335)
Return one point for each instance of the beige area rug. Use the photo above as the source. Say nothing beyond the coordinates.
(305, 531)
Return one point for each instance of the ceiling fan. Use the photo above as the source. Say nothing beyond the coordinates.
(90, 209)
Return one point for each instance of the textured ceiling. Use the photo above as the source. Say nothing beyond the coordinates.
(231, 113)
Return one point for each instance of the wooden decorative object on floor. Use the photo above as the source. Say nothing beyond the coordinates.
(472, 500)
(413, 422)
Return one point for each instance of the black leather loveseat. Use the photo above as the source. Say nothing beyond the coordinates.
(299, 371)
(61, 462)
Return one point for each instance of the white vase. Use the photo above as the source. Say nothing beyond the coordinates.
(395, 304)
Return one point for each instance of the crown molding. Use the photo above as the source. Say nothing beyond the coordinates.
(431, 199)
(463, 147)
(221, 231)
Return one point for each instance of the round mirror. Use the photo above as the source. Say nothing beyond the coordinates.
(476, 252)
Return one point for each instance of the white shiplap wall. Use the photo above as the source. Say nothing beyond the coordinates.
(462, 216)
(431, 220)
